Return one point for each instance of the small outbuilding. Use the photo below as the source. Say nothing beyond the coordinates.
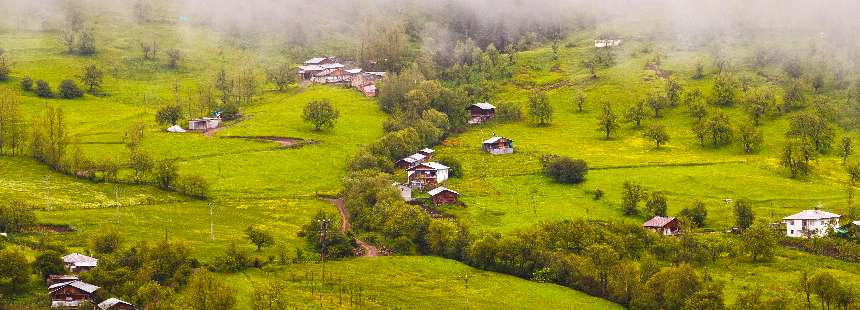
(427, 175)
(810, 223)
(76, 262)
(205, 123)
(405, 191)
(498, 145)
(481, 112)
(409, 161)
(667, 226)
(443, 196)
(116, 304)
(71, 294)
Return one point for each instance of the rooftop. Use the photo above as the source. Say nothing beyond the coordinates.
(493, 139)
(484, 106)
(110, 302)
(658, 221)
(812, 215)
(440, 189)
(78, 258)
(431, 164)
(86, 287)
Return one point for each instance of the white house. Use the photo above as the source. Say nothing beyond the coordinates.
(810, 223)
(427, 175)
(76, 262)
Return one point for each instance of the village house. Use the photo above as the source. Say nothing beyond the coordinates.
(427, 175)
(606, 43)
(365, 82)
(409, 161)
(54, 279)
(481, 112)
(498, 145)
(116, 304)
(205, 123)
(810, 223)
(667, 226)
(443, 196)
(428, 152)
(76, 262)
(71, 294)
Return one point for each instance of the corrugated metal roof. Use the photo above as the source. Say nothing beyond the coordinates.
(311, 68)
(110, 302)
(440, 189)
(812, 215)
(494, 139)
(432, 165)
(658, 221)
(353, 71)
(315, 60)
(78, 258)
(332, 66)
(426, 151)
(86, 287)
(484, 106)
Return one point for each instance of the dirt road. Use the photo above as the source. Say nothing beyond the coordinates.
(345, 226)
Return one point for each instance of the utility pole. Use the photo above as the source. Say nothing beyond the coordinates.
(47, 195)
(324, 242)
(211, 223)
(116, 198)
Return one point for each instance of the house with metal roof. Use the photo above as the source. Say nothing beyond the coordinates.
(116, 304)
(427, 175)
(71, 294)
(810, 223)
(77, 262)
(481, 112)
(498, 145)
(667, 226)
(442, 196)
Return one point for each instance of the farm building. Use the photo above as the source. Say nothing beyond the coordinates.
(411, 160)
(321, 60)
(405, 191)
(54, 279)
(667, 226)
(115, 304)
(607, 43)
(427, 175)
(78, 262)
(205, 123)
(71, 294)
(428, 152)
(369, 90)
(443, 196)
(498, 145)
(810, 223)
(481, 112)
(365, 82)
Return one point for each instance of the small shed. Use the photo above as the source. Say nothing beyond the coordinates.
(481, 112)
(116, 304)
(667, 226)
(427, 175)
(498, 145)
(205, 123)
(443, 196)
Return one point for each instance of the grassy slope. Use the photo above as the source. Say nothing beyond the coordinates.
(253, 182)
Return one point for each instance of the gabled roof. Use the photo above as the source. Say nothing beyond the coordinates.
(812, 215)
(77, 258)
(440, 189)
(377, 73)
(483, 106)
(431, 165)
(417, 156)
(315, 60)
(311, 68)
(332, 66)
(83, 286)
(494, 139)
(426, 151)
(353, 71)
(658, 222)
(110, 302)
(856, 223)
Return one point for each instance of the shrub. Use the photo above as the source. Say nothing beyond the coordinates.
(69, 90)
(106, 241)
(43, 89)
(16, 216)
(566, 170)
(169, 114)
(194, 186)
(508, 112)
(27, 83)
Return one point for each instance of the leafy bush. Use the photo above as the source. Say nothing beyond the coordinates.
(169, 114)
(43, 89)
(194, 186)
(27, 83)
(566, 170)
(70, 90)
(508, 112)
(16, 216)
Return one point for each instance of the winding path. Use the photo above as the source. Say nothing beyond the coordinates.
(345, 226)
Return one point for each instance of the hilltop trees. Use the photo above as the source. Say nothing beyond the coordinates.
(539, 108)
(724, 90)
(321, 114)
(793, 97)
(759, 102)
(92, 78)
(812, 127)
(796, 155)
(608, 121)
(716, 128)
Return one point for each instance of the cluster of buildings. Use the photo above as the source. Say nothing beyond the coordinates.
(607, 43)
(421, 174)
(807, 223)
(68, 291)
(328, 70)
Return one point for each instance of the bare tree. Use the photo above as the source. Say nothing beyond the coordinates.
(282, 75)
(150, 49)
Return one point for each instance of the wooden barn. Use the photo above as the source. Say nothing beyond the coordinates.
(76, 262)
(427, 175)
(498, 145)
(667, 226)
(481, 112)
(443, 196)
(71, 294)
(116, 304)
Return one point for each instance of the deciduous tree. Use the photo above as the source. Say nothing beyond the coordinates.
(608, 121)
(321, 114)
(259, 237)
(539, 108)
(92, 78)
(658, 134)
(743, 213)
